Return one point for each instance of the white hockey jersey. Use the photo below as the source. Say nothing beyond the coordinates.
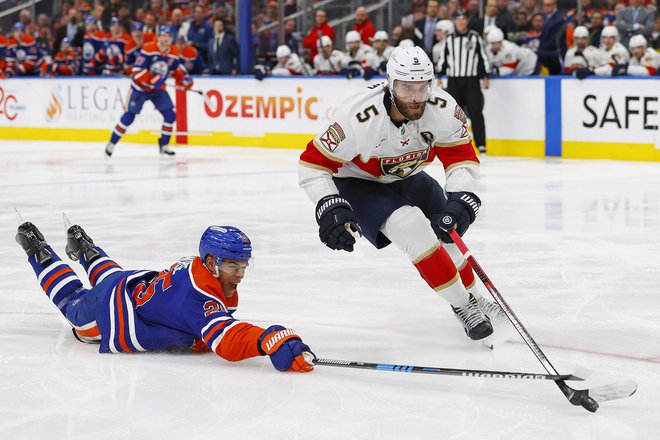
(607, 59)
(513, 59)
(293, 66)
(364, 57)
(436, 52)
(385, 55)
(589, 57)
(646, 66)
(331, 65)
(363, 142)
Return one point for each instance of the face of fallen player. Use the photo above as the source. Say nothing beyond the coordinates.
(229, 274)
(410, 98)
(164, 41)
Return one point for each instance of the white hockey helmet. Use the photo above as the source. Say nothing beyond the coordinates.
(409, 64)
(353, 37)
(324, 41)
(445, 25)
(406, 43)
(637, 41)
(380, 36)
(495, 35)
(283, 51)
(610, 31)
(581, 32)
(489, 28)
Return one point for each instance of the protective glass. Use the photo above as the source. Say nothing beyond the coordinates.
(412, 91)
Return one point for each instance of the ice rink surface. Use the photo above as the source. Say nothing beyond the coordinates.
(573, 245)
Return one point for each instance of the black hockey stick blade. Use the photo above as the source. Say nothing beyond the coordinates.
(443, 371)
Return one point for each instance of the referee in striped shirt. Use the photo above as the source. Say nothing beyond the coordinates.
(463, 59)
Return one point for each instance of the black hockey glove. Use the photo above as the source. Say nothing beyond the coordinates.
(583, 73)
(620, 70)
(461, 211)
(334, 215)
(368, 74)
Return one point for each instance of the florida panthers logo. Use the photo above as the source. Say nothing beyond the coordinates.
(159, 68)
(403, 166)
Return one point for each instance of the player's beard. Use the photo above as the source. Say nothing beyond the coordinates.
(410, 111)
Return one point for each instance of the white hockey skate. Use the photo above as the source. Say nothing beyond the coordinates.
(476, 324)
(502, 329)
(165, 150)
(109, 149)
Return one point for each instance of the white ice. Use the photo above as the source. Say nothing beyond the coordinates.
(573, 245)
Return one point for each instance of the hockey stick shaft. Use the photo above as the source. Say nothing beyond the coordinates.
(440, 371)
(575, 397)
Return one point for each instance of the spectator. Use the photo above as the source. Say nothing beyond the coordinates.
(533, 39)
(452, 7)
(490, 18)
(179, 25)
(522, 27)
(596, 28)
(396, 35)
(290, 38)
(111, 10)
(329, 61)
(322, 28)
(156, 9)
(222, 50)
(71, 28)
(150, 25)
(26, 18)
(548, 50)
(97, 13)
(530, 7)
(473, 10)
(425, 28)
(504, 17)
(655, 35)
(363, 26)
(443, 11)
(201, 32)
(634, 20)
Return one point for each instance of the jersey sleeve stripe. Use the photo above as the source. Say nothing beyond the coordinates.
(463, 163)
(214, 321)
(131, 316)
(214, 346)
(216, 331)
(324, 152)
(453, 144)
(111, 339)
(120, 313)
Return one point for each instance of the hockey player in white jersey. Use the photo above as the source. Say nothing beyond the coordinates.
(611, 52)
(382, 49)
(644, 61)
(361, 58)
(508, 58)
(329, 61)
(289, 63)
(442, 29)
(581, 55)
(365, 175)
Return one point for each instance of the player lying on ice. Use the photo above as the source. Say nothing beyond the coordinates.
(188, 306)
(365, 174)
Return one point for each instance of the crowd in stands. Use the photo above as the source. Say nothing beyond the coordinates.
(608, 37)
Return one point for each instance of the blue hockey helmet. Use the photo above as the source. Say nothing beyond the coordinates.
(91, 20)
(225, 242)
(166, 29)
(136, 26)
(18, 27)
(114, 20)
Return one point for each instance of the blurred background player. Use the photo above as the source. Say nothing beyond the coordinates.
(188, 306)
(134, 46)
(382, 50)
(191, 58)
(114, 51)
(3, 55)
(644, 60)
(289, 63)
(92, 48)
(581, 55)
(156, 61)
(328, 60)
(67, 61)
(22, 53)
(508, 58)
(442, 29)
(611, 52)
(401, 126)
(360, 57)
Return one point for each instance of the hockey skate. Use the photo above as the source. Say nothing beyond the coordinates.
(502, 331)
(80, 245)
(476, 324)
(33, 242)
(165, 150)
(109, 149)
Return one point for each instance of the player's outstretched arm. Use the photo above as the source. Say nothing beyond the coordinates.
(285, 349)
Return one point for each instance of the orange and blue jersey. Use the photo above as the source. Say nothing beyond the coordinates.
(23, 56)
(66, 64)
(3, 53)
(114, 53)
(192, 61)
(152, 67)
(92, 53)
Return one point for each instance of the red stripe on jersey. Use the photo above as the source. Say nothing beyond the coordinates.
(119, 291)
(240, 342)
(651, 70)
(437, 269)
(459, 153)
(314, 157)
(56, 275)
(215, 329)
(95, 273)
(512, 65)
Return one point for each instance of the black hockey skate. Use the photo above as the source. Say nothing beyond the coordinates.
(33, 242)
(475, 322)
(80, 245)
(165, 149)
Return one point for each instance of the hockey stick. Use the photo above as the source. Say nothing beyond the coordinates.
(585, 398)
(440, 371)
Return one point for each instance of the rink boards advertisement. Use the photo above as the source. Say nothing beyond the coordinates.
(592, 118)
